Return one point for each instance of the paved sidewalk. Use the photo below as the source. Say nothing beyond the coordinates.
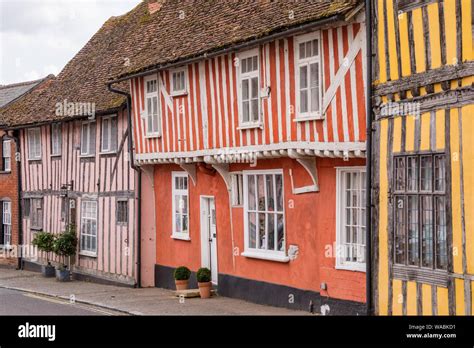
(147, 301)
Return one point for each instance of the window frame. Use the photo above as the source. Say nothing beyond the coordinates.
(271, 255)
(341, 206)
(6, 154)
(82, 251)
(110, 119)
(184, 90)
(181, 192)
(127, 211)
(147, 95)
(58, 133)
(420, 194)
(89, 124)
(249, 75)
(33, 214)
(237, 189)
(37, 153)
(5, 224)
(309, 115)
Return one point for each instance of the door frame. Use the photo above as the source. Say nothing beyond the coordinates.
(205, 245)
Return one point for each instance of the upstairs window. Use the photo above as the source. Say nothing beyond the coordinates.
(109, 134)
(249, 90)
(34, 144)
(178, 82)
(153, 124)
(6, 156)
(180, 205)
(88, 139)
(56, 139)
(420, 211)
(308, 73)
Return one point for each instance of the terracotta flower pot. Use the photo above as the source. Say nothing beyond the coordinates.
(181, 284)
(205, 289)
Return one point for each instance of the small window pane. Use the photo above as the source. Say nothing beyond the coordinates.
(440, 174)
(441, 242)
(427, 231)
(302, 51)
(426, 173)
(400, 174)
(399, 226)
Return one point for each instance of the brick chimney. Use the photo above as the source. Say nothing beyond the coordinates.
(155, 5)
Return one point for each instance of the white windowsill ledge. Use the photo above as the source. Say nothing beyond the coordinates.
(87, 156)
(308, 118)
(250, 126)
(152, 136)
(88, 254)
(268, 257)
(175, 236)
(179, 94)
(353, 268)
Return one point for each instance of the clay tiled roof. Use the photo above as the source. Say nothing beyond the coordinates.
(182, 29)
(140, 40)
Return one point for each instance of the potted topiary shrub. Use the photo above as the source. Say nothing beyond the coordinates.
(181, 277)
(204, 282)
(44, 241)
(65, 246)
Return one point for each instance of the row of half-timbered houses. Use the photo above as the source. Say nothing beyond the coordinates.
(232, 135)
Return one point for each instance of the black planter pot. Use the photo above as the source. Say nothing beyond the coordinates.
(63, 275)
(47, 271)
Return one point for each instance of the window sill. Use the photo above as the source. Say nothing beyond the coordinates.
(179, 94)
(423, 275)
(268, 257)
(34, 159)
(36, 229)
(104, 153)
(5, 171)
(250, 126)
(308, 118)
(352, 267)
(181, 237)
(87, 253)
(152, 136)
(86, 156)
(55, 155)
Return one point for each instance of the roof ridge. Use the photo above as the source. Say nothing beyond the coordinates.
(25, 83)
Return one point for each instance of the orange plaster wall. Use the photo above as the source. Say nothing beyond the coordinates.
(310, 224)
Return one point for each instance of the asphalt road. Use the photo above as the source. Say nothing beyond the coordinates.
(14, 302)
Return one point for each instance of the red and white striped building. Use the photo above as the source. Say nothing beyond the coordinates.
(254, 161)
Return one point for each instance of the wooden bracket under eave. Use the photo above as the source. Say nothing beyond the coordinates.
(223, 170)
(309, 164)
(190, 168)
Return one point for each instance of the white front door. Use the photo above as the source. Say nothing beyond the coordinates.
(209, 236)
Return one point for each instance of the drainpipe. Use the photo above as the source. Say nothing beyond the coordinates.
(368, 105)
(139, 180)
(16, 138)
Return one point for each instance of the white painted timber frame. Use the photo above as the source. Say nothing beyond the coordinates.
(354, 48)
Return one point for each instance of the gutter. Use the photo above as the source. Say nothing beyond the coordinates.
(368, 105)
(139, 179)
(16, 138)
(238, 47)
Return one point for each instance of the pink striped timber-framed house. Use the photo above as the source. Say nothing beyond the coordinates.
(249, 124)
(75, 164)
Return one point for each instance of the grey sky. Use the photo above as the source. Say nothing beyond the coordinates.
(38, 37)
